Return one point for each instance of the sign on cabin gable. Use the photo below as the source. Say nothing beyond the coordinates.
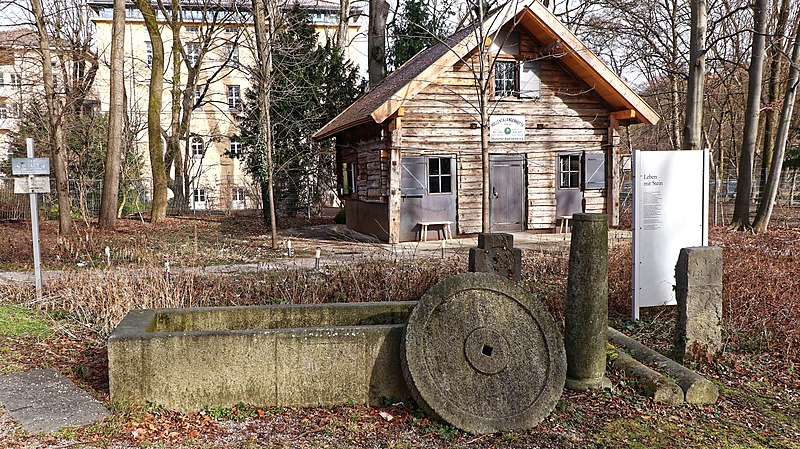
(507, 128)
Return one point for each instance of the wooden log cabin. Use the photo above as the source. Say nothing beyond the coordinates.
(409, 151)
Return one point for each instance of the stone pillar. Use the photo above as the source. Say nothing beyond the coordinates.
(496, 254)
(698, 276)
(586, 314)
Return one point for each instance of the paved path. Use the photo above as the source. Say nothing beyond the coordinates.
(45, 401)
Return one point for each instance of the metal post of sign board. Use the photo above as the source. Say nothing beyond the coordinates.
(37, 258)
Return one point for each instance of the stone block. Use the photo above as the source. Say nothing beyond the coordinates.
(496, 254)
(187, 359)
(698, 275)
(498, 240)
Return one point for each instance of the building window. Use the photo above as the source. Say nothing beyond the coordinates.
(2, 79)
(197, 98)
(16, 80)
(349, 178)
(148, 48)
(3, 111)
(235, 148)
(569, 166)
(230, 29)
(199, 196)
(440, 178)
(192, 54)
(505, 78)
(191, 29)
(16, 110)
(234, 98)
(231, 55)
(197, 147)
(238, 194)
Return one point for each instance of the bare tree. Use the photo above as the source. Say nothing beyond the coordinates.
(55, 110)
(265, 38)
(158, 209)
(376, 41)
(764, 213)
(741, 211)
(116, 116)
(693, 129)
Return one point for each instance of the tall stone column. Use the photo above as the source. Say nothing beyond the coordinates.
(586, 314)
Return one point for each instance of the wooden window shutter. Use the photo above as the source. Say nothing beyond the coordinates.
(414, 176)
(530, 85)
(594, 171)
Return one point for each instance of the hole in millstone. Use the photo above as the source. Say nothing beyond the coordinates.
(487, 350)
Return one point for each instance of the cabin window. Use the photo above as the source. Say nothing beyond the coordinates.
(440, 178)
(569, 167)
(506, 74)
(505, 78)
(349, 178)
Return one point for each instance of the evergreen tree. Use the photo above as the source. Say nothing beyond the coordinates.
(311, 84)
(417, 26)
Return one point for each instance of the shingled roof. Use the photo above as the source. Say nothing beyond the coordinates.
(386, 98)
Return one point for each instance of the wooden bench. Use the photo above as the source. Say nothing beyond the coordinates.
(423, 229)
(564, 219)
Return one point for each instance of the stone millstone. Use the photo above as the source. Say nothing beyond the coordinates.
(483, 355)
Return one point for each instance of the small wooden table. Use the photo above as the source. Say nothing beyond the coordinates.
(564, 219)
(423, 233)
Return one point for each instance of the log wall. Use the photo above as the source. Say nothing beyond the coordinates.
(568, 116)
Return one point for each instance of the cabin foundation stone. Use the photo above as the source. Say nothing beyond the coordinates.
(698, 276)
(496, 254)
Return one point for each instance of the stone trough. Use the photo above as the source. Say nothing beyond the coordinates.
(188, 359)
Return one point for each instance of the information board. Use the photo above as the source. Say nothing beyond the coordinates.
(507, 128)
(32, 184)
(670, 212)
(30, 166)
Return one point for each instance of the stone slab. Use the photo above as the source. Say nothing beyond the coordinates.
(45, 401)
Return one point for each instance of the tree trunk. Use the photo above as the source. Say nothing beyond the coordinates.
(344, 25)
(172, 156)
(761, 222)
(264, 43)
(159, 207)
(692, 130)
(54, 110)
(775, 55)
(376, 41)
(675, 100)
(116, 120)
(741, 211)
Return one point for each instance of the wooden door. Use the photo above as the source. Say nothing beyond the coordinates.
(507, 192)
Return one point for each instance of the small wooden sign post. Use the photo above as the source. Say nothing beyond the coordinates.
(33, 185)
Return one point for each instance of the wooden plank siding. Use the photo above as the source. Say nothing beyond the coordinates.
(569, 116)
